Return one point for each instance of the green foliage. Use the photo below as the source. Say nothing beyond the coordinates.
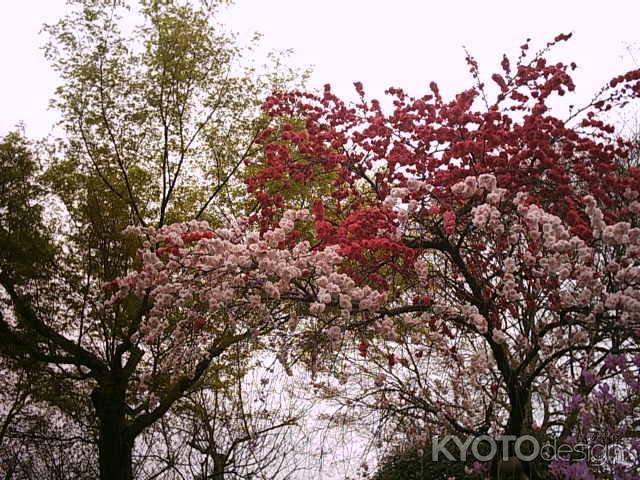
(163, 114)
(26, 250)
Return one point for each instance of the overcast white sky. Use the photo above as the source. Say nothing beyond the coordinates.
(382, 43)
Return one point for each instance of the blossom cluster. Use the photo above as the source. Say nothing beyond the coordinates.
(207, 284)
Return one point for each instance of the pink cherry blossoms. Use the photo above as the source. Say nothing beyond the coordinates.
(206, 285)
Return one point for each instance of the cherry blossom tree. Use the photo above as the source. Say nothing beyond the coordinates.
(489, 255)
(504, 237)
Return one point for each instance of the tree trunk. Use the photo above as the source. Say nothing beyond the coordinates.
(519, 423)
(219, 465)
(115, 442)
(520, 413)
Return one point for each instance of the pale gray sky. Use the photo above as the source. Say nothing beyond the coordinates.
(382, 43)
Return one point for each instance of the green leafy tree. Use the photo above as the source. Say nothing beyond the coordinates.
(159, 115)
